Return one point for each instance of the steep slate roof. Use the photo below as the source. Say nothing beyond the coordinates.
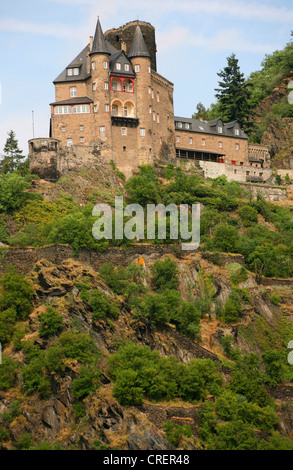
(210, 127)
(99, 43)
(138, 46)
(79, 61)
(120, 56)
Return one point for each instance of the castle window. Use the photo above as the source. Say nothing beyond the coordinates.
(63, 129)
(152, 93)
(190, 140)
(69, 142)
(105, 65)
(72, 71)
(158, 97)
(107, 108)
(179, 124)
(236, 131)
(106, 86)
(118, 66)
(81, 128)
(177, 139)
(125, 111)
(149, 69)
(82, 140)
(150, 90)
(237, 146)
(115, 110)
(154, 116)
(72, 91)
(94, 86)
(93, 65)
(123, 131)
(124, 148)
(142, 132)
(81, 109)
(220, 145)
(95, 108)
(150, 109)
(102, 130)
(126, 67)
(203, 142)
(186, 125)
(136, 68)
(158, 118)
(116, 84)
(220, 130)
(62, 110)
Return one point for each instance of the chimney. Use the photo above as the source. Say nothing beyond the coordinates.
(91, 43)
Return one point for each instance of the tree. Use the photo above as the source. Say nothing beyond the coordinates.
(233, 93)
(13, 158)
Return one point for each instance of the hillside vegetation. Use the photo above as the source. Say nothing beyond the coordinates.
(178, 351)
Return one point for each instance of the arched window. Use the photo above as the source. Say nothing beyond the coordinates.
(116, 84)
(129, 109)
(117, 108)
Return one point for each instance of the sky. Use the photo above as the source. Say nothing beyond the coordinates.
(39, 38)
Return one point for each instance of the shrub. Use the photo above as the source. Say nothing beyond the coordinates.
(226, 238)
(275, 299)
(16, 293)
(77, 346)
(34, 379)
(86, 383)
(248, 215)
(50, 323)
(12, 191)
(8, 375)
(175, 432)
(101, 306)
(165, 274)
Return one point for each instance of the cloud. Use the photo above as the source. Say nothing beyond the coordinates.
(224, 40)
(229, 8)
(19, 26)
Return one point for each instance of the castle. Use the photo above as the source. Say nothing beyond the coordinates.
(111, 104)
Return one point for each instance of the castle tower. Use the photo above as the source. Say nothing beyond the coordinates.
(141, 63)
(100, 87)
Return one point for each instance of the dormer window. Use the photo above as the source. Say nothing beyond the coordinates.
(179, 124)
(118, 66)
(72, 71)
(126, 67)
(220, 130)
(186, 125)
(236, 131)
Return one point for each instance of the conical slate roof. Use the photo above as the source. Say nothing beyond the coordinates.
(138, 46)
(99, 42)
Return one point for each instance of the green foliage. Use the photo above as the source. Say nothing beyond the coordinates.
(12, 159)
(248, 215)
(4, 232)
(86, 383)
(12, 191)
(175, 432)
(101, 306)
(226, 238)
(8, 375)
(233, 93)
(77, 346)
(275, 299)
(143, 188)
(139, 372)
(165, 274)
(274, 367)
(50, 323)
(24, 442)
(35, 380)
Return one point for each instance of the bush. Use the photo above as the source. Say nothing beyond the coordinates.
(226, 238)
(77, 346)
(175, 432)
(86, 383)
(16, 293)
(102, 307)
(165, 274)
(34, 379)
(248, 215)
(50, 323)
(12, 191)
(8, 375)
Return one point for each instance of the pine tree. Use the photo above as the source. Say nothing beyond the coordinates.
(12, 156)
(233, 94)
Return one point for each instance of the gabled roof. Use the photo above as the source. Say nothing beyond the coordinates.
(99, 43)
(138, 46)
(210, 127)
(79, 61)
(120, 57)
